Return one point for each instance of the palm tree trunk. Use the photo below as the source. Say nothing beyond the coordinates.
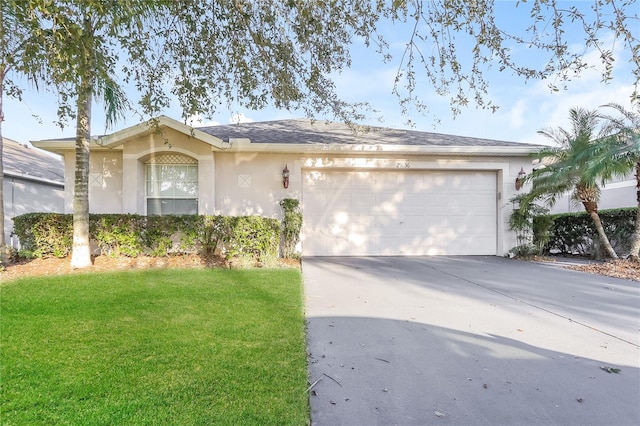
(81, 252)
(634, 253)
(592, 209)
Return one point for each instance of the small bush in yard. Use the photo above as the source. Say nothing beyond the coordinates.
(291, 226)
(252, 236)
(44, 234)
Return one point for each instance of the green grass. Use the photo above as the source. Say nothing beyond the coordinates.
(156, 347)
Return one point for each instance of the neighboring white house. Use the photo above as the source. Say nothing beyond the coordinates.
(33, 181)
(618, 193)
(378, 191)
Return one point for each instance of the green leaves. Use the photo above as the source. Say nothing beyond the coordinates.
(291, 226)
(51, 234)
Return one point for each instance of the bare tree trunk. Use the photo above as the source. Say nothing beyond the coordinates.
(634, 253)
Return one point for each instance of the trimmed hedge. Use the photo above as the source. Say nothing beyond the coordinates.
(51, 235)
(574, 233)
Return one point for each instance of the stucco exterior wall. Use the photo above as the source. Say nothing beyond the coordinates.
(105, 182)
(251, 184)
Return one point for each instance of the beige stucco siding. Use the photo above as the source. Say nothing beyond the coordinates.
(105, 182)
(251, 184)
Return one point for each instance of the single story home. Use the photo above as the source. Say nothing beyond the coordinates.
(367, 191)
(33, 181)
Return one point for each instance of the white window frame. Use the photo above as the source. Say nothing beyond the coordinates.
(155, 184)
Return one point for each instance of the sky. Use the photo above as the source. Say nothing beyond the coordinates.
(525, 108)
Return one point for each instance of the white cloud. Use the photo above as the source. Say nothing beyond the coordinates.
(517, 115)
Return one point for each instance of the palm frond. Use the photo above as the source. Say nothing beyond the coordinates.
(114, 99)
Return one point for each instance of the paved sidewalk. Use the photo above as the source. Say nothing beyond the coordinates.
(469, 340)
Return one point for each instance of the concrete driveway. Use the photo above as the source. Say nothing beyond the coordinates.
(469, 340)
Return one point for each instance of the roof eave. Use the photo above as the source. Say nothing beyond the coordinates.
(116, 140)
(284, 148)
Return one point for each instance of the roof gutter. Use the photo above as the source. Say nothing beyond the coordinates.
(280, 148)
(31, 178)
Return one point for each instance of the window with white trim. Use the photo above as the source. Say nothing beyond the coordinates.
(172, 185)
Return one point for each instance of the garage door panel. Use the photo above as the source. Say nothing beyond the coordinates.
(472, 204)
(472, 246)
(411, 202)
(412, 223)
(336, 203)
(434, 181)
(422, 246)
(436, 204)
(482, 203)
(362, 202)
(399, 213)
(322, 180)
(360, 181)
(387, 228)
(316, 203)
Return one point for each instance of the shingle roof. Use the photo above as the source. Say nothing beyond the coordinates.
(303, 131)
(30, 163)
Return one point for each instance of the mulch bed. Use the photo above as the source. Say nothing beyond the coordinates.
(60, 266)
(625, 269)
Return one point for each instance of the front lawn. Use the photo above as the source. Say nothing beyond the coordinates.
(154, 347)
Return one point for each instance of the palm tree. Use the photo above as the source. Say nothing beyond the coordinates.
(566, 168)
(619, 155)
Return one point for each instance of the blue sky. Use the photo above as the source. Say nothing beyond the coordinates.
(524, 108)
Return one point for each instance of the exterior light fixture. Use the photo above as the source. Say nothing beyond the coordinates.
(285, 177)
(520, 178)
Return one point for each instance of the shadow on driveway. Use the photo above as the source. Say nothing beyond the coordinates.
(469, 340)
(404, 373)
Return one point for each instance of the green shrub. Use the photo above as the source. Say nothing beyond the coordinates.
(531, 225)
(165, 235)
(254, 237)
(212, 232)
(574, 233)
(44, 234)
(117, 234)
(291, 226)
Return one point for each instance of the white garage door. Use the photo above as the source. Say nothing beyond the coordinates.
(399, 213)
